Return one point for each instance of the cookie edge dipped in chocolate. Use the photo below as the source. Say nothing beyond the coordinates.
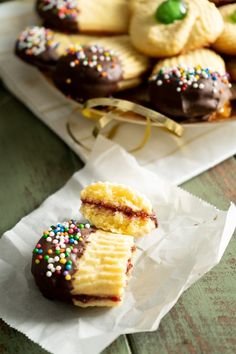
(64, 20)
(189, 93)
(88, 71)
(48, 257)
(44, 58)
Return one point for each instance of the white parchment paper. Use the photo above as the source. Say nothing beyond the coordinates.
(191, 239)
(175, 159)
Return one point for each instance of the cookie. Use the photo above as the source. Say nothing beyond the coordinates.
(99, 69)
(165, 28)
(78, 264)
(186, 93)
(85, 16)
(226, 42)
(206, 58)
(42, 47)
(118, 208)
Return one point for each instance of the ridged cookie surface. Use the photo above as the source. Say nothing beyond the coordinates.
(103, 270)
(118, 208)
(226, 42)
(206, 58)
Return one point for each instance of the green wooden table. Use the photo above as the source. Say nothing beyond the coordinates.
(35, 163)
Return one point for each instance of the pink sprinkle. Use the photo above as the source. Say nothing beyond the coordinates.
(74, 250)
(71, 231)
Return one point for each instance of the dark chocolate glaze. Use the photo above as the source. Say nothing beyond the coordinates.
(89, 77)
(51, 18)
(57, 287)
(191, 103)
(47, 58)
(129, 212)
(222, 2)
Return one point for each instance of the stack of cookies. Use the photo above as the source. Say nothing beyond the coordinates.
(97, 48)
(89, 263)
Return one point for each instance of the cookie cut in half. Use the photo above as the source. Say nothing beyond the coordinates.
(80, 264)
(118, 208)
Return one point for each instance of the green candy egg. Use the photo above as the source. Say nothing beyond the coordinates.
(171, 10)
(233, 16)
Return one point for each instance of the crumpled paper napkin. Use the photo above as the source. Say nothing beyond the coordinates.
(191, 239)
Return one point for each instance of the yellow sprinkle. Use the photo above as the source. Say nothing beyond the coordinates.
(68, 277)
(37, 261)
(62, 260)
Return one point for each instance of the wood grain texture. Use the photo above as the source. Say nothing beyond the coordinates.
(35, 163)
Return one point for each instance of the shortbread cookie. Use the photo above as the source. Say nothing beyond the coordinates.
(226, 42)
(206, 58)
(42, 47)
(185, 93)
(165, 28)
(118, 208)
(99, 69)
(77, 263)
(85, 16)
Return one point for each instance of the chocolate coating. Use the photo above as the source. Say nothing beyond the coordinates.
(36, 46)
(222, 2)
(87, 72)
(56, 286)
(59, 14)
(188, 93)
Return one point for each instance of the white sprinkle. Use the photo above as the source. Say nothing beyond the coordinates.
(87, 226)
(50, 260)
(178, 89)
(68, 250)
(195, 85)
(51, 233)
(76, 242)
(72, 64)
(50, 266)
(166, 76)
(49, 274)
(56, 259)
(214, 90)
(201, 86)
(159, 82)
(230, 85)
(55, 241)
(48, 239)
(62, 255)
(53, 270)
(58, 267)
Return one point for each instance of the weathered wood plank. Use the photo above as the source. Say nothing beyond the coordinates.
(204, 319)
(34, 164)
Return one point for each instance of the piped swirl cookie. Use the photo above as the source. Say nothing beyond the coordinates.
(118, 208)
(226, 42)
(42, 47)
(76, 263)
(188, 93)
(162, 28)
(100, 68)
(85, 16)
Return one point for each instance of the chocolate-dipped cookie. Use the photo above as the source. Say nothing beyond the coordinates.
(79, 264)
(85, 16)
(59, 14)
(37, 46)
(86, 72)
(186, 93)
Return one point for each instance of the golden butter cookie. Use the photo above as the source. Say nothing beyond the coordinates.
(118, 208)
(226, 42)
(206, 58)
(76, 263)
(85, 16)
(165, 28)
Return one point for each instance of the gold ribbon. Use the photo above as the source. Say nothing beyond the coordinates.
(122, 111)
